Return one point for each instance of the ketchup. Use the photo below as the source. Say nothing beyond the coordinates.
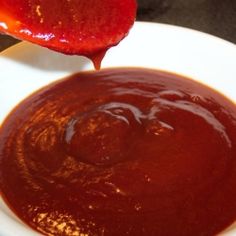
(121, 152)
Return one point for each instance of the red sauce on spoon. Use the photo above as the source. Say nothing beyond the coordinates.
(121, 152)
(80, 27)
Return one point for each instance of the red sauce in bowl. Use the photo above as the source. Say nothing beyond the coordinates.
(121, 152)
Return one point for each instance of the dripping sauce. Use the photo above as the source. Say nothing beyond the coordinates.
(74, 27)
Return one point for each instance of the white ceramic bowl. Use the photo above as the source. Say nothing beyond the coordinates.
(26, 67)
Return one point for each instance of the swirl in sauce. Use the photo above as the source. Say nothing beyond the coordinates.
(121, 152)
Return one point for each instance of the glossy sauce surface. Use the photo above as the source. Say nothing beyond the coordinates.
(76, 27)
(121, 152)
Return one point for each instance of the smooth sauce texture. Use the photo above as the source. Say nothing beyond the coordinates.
(121, 152)
(75, 27)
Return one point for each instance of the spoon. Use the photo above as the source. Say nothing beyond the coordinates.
(75, 27)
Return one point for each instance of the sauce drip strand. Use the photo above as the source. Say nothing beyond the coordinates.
(121, 152)
(76, 27)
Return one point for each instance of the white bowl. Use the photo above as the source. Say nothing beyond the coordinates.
(205, 58)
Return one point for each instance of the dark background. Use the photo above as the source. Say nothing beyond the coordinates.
(217, 17)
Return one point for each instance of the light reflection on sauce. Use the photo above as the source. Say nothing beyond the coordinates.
(121, 152)
(74, 27)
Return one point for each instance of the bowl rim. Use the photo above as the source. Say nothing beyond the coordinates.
(6, 217)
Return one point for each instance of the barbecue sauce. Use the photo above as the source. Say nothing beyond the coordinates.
(75, 27)
(121, 152)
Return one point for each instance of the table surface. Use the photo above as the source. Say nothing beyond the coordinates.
(217, 17)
